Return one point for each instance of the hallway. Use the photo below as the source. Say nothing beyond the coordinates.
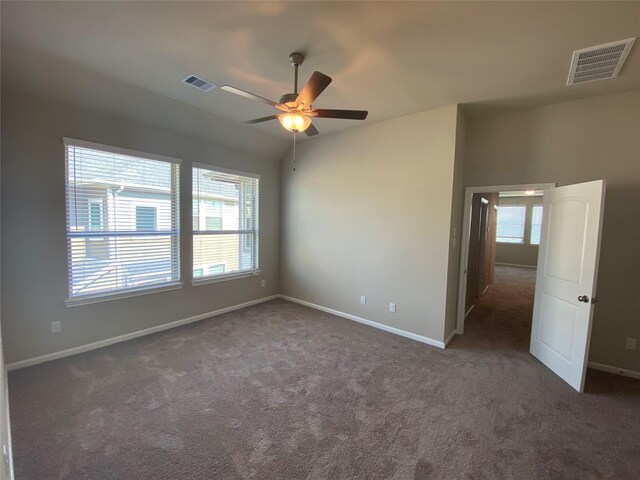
(503, 314)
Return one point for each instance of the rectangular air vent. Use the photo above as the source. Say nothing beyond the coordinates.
(599, 62)
(199, 83)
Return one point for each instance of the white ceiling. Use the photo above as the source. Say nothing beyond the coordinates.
(391, 58)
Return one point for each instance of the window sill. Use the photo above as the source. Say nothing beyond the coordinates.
(224, 278)
(77, 302)
(519, 244)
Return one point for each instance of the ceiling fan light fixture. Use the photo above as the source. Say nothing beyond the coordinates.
(294, 122)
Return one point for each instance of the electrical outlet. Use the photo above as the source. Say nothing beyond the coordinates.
(363, 300)
(56, 326)
(392, 307)
(630, 344)
(263, 283)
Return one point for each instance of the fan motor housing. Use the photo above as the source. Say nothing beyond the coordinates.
(289, 98)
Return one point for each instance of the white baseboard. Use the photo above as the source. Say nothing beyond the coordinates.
(386, 328)
(620, 371)
(130, 336)
(469, 311)
(516, 265)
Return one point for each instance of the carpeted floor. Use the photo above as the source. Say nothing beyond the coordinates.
(280, 391)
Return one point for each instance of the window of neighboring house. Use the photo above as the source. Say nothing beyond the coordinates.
(536, 224)
(510, 224)
(146, 219)
(96, 247)
(113, 252)
(213, 223)
(225, 223)
(215, 269)
(96, 213)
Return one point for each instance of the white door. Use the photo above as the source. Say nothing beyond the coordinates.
(566, 279)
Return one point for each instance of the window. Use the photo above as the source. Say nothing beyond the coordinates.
(146, 219)
(536, 224)
(96, 212)
(225, 223)
(122, 221)
(215, 269)
(510, 224)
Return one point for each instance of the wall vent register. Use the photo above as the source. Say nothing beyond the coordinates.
(599, 62)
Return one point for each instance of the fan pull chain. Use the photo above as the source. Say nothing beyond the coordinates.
(294, 150)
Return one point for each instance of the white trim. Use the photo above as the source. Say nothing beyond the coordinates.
(223, 278)
(386, 328)
(72, 142)
(229, 171)
(516, 265)
(449, 338)
(106, 297)
(617, 370)
(466, 223)
(130, 336)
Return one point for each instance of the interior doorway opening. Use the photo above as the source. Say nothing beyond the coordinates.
(501, 234)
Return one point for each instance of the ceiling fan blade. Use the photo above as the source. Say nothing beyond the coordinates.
(261, 119)
(250, 96)
(311, 131)
(346, 114)
(314, 87)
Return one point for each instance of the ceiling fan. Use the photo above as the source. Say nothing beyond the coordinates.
(297, 109)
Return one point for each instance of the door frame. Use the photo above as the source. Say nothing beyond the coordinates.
(466, 231)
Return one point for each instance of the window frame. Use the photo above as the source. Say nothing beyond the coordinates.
(203, 280)
(85, 299)
(533, 210)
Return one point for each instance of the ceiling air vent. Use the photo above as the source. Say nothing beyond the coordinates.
(199, 83)
(598, 63)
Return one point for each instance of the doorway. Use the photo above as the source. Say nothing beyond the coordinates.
(499, 237)
(565, 282)
(501, 271)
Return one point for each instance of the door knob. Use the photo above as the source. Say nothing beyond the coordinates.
(583, 298)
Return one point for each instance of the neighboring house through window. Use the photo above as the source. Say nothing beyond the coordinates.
(122, 221)
(225, 222)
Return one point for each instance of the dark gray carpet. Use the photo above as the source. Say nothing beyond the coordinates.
(280, 391)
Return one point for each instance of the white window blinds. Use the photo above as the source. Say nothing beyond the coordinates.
(225, 223)
(122, 220)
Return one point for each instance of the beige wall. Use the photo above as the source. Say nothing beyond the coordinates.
(457, 207)
(519, 253)
(597, 138)
(34, 257)
(368, 212)
(516, 254)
